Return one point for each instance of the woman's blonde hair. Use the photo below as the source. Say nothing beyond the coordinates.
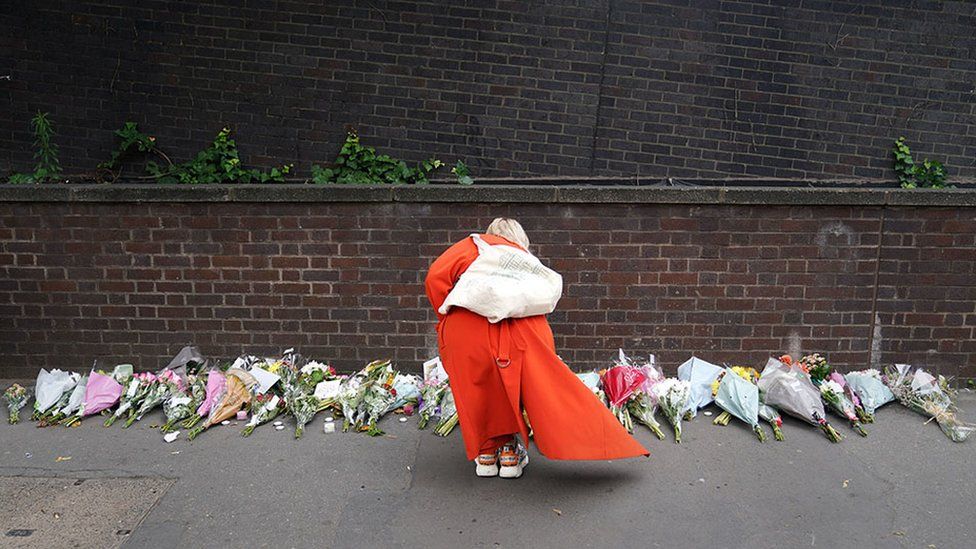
(509, 229)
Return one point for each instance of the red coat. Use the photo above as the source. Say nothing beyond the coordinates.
(568, 421)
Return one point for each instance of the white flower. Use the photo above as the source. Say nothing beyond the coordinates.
(313, 366)
(831, 387)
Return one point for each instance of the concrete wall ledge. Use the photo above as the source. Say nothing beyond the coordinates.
(520, 193)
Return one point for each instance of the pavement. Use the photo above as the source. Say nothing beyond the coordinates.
(905, 485)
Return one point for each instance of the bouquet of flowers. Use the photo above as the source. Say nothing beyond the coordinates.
(592, 382)
(770, 415)
(314, 372)
(379, 395)
(642, 406)
(643, 403)
(672, 396)
(73, 404)
(177, 407)
(350, 397)
(870, 390)
(701, 375)
(833, 394)
(745, 372)
(433, 390)
(817, 367)
(920, 391)
(619, 382)
(736, 393)
(789, 389)
(161, 386)
(16, 397)
(448, 413)
(303, 406)
(328, 392)
(214, 389)
(862, 415)
(407, 390)
(50, 388)
(234, 397)
(299, 395)
(102, 391)
(264, 408)
(136, 389)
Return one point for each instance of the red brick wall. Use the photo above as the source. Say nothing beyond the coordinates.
(343, 282)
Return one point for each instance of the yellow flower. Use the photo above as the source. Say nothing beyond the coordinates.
(274, 367)
(747, 373)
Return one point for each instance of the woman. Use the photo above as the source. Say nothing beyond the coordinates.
(497, 370)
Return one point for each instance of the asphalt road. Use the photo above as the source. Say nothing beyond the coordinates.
(905, 485)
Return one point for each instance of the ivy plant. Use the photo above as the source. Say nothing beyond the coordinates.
(929, 174)
(218, 163)
(359, 164)
(463, 174)
(48, 165)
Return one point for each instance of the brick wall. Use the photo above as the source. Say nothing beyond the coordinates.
(786, 89)
(343, 282)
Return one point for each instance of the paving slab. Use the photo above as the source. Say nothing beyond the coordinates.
(74, 511)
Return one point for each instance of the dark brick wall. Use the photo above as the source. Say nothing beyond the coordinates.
(786, 89)
(343, 282)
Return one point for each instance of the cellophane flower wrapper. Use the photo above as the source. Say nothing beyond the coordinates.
(431, 394)
(448, 414)
(642, 407)
(789, 389)
(159, 389)
(740, 397)
(264, 408)
(350, 397)
(379, 397)
(56, 413)
(833, 394)
(619, 383)
(303, 407)
(49, 388)
(407, 389)
(328, 392)
(131, 394)
(176, 408)
(101, 393)
(700, 375)
(871, 391)
(16, 397)
(77, 398)
(920, 391)
(771, 415)
(672, 397)
(592, 382)
(216, 384)
(234, 397)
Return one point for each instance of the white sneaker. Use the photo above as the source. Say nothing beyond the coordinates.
(486, 465)
(513, 459)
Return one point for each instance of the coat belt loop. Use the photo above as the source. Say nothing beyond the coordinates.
(503, 360)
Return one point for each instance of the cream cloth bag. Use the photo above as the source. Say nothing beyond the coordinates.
(505, 282)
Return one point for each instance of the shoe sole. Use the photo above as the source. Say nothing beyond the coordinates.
(486, 471)
(514, 472)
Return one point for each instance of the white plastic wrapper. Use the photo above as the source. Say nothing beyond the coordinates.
(739, 397)
(790, 393)
(700, 374)
(50, 386)
(77, 397)
(870, 389)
